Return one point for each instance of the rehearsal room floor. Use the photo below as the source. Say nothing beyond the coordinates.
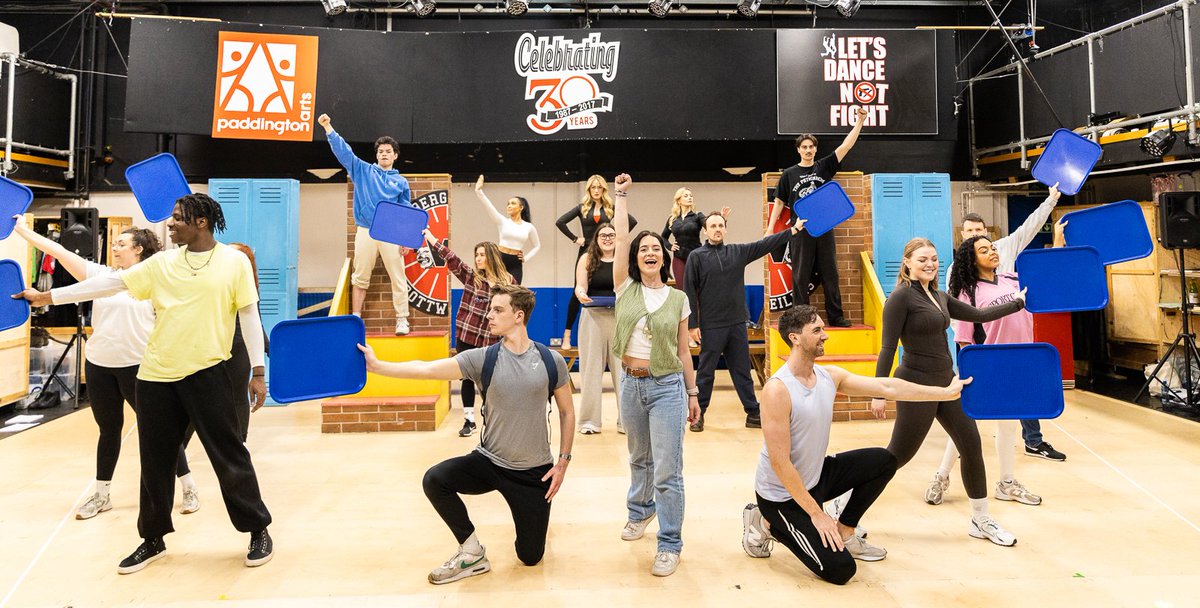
(352, 527)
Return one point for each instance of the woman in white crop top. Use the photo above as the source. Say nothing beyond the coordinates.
(120, 329)
(518, 239)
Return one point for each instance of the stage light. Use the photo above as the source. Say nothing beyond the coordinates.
(683, 8)
(616, 9)
(660, 8)
(479, 8)
(424, 8)
(1159, 141)
(516, 8)
(334, 7)
(748, 8)
(546, 8)
(847, 8)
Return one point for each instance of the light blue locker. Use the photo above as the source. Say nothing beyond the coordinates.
(905, 206)
(265, 214)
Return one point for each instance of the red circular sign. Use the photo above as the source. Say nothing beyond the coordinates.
(432, 285)
(864, 92)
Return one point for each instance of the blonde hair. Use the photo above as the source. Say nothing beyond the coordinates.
(494, 274)
(676, 209)
(904, 277)
(605, 198)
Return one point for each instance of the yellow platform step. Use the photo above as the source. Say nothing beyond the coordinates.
(418, 345)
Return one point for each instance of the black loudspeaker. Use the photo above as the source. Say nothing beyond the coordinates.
(80, 231)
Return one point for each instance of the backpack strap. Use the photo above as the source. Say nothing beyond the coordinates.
(551, 368)
(489, 365)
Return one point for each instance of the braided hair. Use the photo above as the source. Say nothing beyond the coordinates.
(194, 206)
(965, 274)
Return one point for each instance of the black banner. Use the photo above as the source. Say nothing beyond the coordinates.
(825, 75)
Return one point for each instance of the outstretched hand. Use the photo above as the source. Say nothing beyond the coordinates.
(369, 355)
(1054, 193)
(956, 386)
(429, 238)
(35, 297)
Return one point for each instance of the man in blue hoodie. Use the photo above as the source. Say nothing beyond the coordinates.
(374, 183)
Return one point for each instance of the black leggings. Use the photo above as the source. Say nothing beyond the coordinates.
(468, 386)
(513, 265)
(474, 474)
(204, 399)
(913, 420)
(108, 389)
(573, 305)
(867, 472)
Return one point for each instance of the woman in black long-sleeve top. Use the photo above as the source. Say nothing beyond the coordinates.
(596, 208)
(918, 314)
(685, 224)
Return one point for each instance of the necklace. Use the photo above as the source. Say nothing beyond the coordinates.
(196, 269)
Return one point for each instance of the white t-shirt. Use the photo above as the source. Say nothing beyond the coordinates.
(121, 326)
(522, 237)
(638, 346)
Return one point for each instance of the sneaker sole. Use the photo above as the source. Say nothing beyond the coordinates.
(1044, 457)
(746, 545)
(1018, 500)
(254, 563)
(869, 558)
(933, 501)
(975, 534)
(139, 566)
(186, 511)
(80, 517)
(478, 569)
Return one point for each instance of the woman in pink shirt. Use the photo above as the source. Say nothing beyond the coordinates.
(975, 279)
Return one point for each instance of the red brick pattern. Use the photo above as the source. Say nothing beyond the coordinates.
(377, 312)
(378, 414)
(853, 237)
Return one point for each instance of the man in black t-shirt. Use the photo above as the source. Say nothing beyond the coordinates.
(808, 253)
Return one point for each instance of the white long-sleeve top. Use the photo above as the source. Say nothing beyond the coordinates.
(513, 235)
(1011, 246)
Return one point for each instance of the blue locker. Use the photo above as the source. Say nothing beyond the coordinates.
(265, 214)
(905, 206)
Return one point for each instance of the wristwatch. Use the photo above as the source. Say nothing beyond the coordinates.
(566, 457)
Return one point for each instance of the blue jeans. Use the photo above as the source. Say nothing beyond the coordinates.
(1031, 432)
(654, 411)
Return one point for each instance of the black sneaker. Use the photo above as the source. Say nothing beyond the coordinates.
(753, 421)
(1045, 450)
(843, 322)
(150, 550)
(468, 429)
(261, 549)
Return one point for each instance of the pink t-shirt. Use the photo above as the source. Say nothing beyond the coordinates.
(1017, 327)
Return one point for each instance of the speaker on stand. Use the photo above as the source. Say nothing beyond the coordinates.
(1179, 229)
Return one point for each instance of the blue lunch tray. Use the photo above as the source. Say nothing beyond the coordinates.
(316, 358)
(14, 200)
(399, 224)
(1117, 230)
(1011, 381)
(1065, 279)
(1067, 160)
(157, 183)
(13, 313)
(824, 208)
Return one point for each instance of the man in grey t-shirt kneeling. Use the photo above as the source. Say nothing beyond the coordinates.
(513, 456)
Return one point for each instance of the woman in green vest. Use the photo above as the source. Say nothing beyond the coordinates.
(658, 391)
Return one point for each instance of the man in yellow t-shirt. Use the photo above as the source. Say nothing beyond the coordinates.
(198, 290)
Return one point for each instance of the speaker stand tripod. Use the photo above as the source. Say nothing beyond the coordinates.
(1185, 340)
(75, 344)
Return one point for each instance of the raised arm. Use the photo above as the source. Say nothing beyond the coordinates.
(752, 251)
(1020, 238)
(341, 149)
(492, 212)
(852, 136)
(621, 225)
(74, 264)
(1060, 237)
(453, 263)
(776, 428)
(441, 369)
(962, 311)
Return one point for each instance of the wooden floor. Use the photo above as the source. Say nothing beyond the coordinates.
(352, 528)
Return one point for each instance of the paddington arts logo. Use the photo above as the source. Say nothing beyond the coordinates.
(266, 86)
(561, 79)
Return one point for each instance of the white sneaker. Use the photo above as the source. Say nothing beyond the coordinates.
(402, 327)
(937, 489)
(989, 529)
(833, 508)
(460, 566)
(94, 506)
(191, 501)
(588, 429)
(665, 563)
(1013, 490)
(635, 529)
(756, 540)
(861, 550)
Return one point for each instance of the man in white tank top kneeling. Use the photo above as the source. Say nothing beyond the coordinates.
(795, 476)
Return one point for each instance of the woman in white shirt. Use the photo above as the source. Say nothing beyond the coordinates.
(518, 240)
(121, 327)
